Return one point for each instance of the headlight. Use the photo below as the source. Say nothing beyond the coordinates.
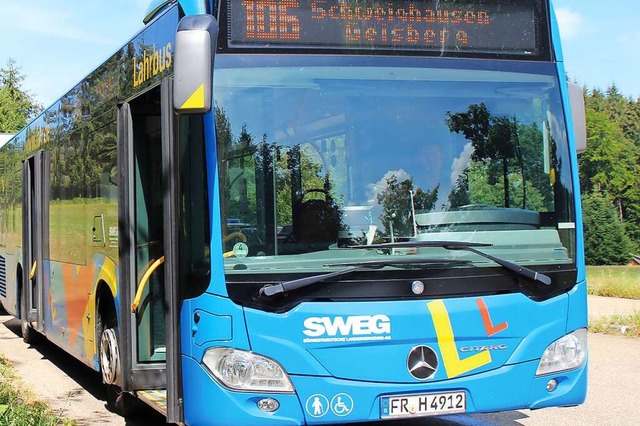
(566, 353)
(246, 371)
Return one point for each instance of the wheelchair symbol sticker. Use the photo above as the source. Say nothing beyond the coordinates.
(341, 404)
(317, 405)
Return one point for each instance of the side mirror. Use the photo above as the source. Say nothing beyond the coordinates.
(196, 43)
(576, 101)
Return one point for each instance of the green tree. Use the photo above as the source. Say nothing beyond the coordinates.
(459, 195)
(502, 146)
(17, 106)
(293, 164)
(478, 191)
(616, 105)
(491, 137)
(396, 204)
(595, 100)
(610, 163)
(605, 240)
(631, 121)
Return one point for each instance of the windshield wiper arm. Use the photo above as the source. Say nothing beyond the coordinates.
(523, 271)
(273, 289)
(519, 270)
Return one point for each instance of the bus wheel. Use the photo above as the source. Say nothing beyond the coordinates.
(29, 335)
(119, 402)
(109, 356)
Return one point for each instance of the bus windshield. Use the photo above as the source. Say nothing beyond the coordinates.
(317, 155)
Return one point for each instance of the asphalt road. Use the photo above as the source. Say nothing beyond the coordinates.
(75, 391)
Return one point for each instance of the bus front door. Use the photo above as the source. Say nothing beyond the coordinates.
(35, 242)
(149, 335)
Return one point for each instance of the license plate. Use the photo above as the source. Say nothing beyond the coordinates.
(429, 404)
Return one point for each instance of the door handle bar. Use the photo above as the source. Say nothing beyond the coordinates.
(32, 273)
(143, 283)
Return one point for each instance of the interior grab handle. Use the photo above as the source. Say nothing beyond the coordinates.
(32, 273)
(143, 283)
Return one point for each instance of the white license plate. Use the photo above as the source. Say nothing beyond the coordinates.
(429, 404)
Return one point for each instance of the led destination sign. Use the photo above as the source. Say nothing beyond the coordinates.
(482, 26)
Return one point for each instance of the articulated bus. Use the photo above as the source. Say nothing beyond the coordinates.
(273, 212)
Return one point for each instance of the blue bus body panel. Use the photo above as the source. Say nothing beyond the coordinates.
(510, 387)
(557, 46)
(578, 315)
(193, 7)
(578, 307)
(220, 322)
(555, 34)
(345, 340)
(488, 347)
(207, 403)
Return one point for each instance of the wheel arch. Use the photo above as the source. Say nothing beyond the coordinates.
(106, 307)
(106, 313)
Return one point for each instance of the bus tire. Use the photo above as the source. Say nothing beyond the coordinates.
(109, 356)
(29, 335)
(119, 402)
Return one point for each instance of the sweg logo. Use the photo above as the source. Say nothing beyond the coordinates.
(350, 329)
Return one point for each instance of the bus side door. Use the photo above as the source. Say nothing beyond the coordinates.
(35, 240)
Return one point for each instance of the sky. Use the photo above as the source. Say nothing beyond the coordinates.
(57, 43)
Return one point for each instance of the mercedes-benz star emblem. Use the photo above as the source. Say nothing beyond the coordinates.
(422, 362)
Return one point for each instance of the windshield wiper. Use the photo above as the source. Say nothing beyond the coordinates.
(273, 289)
(519, 270)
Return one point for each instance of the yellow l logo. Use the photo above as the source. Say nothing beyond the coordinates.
(453, 365)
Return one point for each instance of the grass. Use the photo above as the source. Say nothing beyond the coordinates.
(18, 408)
(70, 229)
(614, 281)
(627, 325)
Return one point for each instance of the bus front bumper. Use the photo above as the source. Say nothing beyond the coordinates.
(321, 400)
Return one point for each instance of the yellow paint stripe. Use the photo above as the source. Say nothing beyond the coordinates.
(453, 365)
(196, 100)
(159, 400)
(160, 395)
(155, 395)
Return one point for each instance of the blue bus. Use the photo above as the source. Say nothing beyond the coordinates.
(273, 212)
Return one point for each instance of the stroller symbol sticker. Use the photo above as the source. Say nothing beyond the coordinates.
(341, 404)
(317, 405)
